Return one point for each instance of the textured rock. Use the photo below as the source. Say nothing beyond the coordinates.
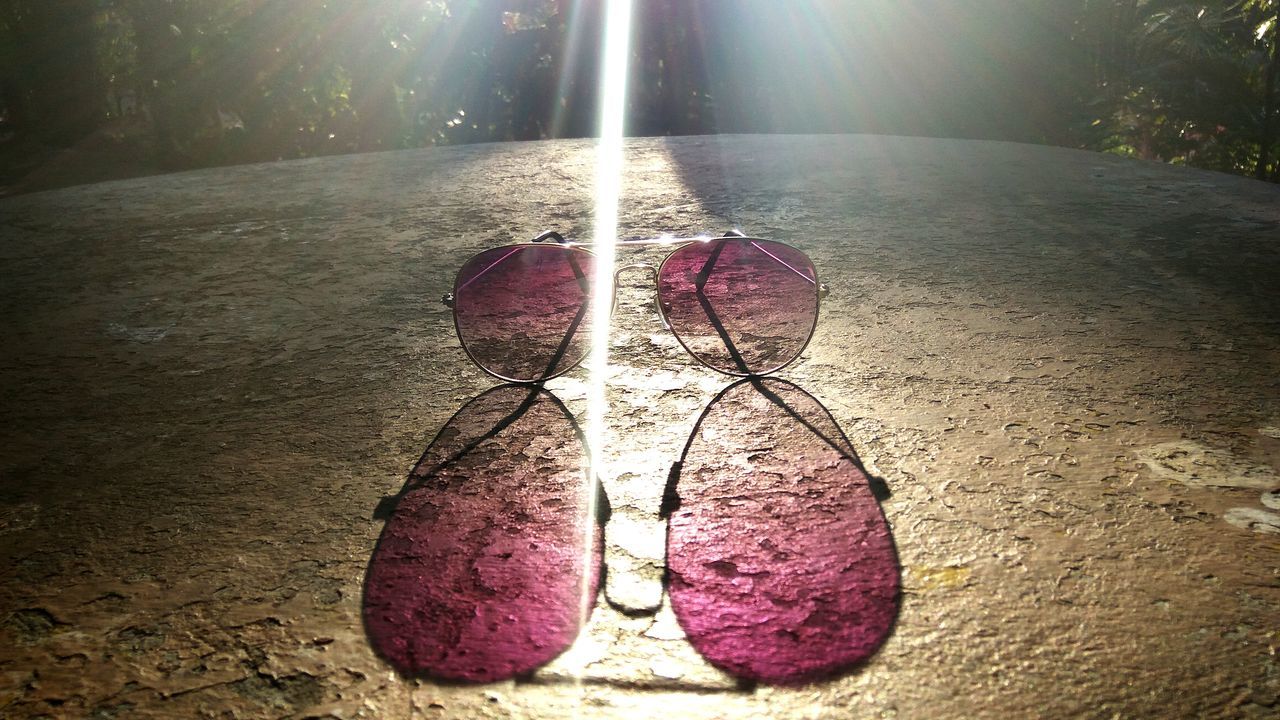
(209, 381)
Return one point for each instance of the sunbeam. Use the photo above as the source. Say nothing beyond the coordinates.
(613, 95)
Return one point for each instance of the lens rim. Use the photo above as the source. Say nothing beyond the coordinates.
(457, 329)
(817, 304)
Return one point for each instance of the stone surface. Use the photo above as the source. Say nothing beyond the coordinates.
(1063, 365)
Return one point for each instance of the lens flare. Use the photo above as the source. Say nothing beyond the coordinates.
(613, 94)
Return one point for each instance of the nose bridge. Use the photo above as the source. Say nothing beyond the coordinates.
(653, 271)
(653, 275)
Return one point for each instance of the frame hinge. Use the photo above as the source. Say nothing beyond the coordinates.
(550, 235)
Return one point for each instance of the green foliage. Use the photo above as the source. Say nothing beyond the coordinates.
(199, 82)
(50, 78)
(1185, 82)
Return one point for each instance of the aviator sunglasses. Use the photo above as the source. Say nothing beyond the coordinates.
(740, 305)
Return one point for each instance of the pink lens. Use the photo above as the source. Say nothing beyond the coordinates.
(523, 312)
(739, 305)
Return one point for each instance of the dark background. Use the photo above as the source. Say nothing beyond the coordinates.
(93, 89)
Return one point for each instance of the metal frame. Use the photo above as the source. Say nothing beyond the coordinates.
(821, 291)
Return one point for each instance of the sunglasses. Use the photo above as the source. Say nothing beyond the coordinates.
(740, 305)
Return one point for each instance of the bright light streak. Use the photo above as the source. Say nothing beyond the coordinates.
(613, 106)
